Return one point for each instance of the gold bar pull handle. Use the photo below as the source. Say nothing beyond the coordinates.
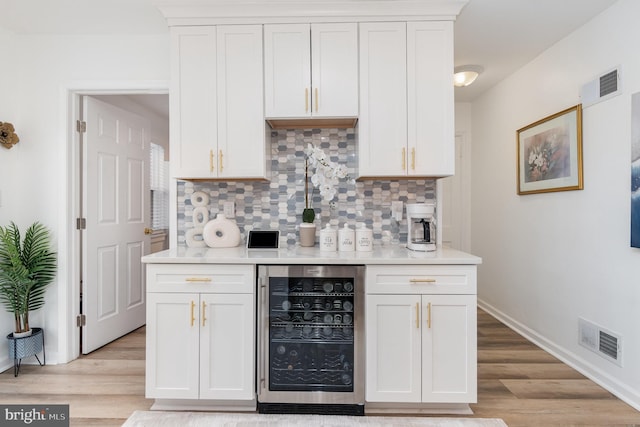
(193, 315)
(417, 315)
(220, 160)
(413, 158)
(316, 100)
(306, 99)
(404, 158)
(198, 279)
(429, 315)
(204, 312)
(210, 160)
(422, 280)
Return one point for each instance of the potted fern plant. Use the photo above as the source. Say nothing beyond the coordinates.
(27, 267)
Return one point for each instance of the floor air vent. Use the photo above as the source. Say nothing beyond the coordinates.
(603, 87)
(601, 341)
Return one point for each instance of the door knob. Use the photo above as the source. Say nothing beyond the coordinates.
(148, 231)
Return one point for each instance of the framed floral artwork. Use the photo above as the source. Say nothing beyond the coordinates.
(550, 153)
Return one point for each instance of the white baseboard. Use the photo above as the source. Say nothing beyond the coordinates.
(417, 409)
(611, 384)
(203, 405)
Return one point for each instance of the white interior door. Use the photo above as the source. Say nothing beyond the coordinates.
(116, 207)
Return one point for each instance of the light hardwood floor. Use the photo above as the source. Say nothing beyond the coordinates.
(517, 382)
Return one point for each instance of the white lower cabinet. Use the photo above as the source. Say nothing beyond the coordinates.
(420, 348)
(200, 345)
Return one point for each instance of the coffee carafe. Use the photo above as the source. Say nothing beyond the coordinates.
(421, 223)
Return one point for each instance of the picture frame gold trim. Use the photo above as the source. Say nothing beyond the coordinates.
(549, 153)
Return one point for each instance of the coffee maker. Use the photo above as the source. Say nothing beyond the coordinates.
(421, 223)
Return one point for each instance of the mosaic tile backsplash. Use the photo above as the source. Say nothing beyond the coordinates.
(278, 204)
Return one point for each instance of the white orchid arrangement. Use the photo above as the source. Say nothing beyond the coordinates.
(326, 177)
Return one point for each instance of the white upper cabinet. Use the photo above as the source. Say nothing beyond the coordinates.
(406, 99)
(334, 75)
(241, 131)
(287, 68)
(193, 107)
(217, 115)
(382, 139)
(311, 70)
(430, 122)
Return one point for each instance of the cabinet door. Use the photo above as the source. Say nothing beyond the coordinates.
(431, 144)
(334, 74)
(383, 99)
(172, 346)
(193, 102)
(241, 145)
(227, 359)
(449, 349)
(287, 73)
(393, 362)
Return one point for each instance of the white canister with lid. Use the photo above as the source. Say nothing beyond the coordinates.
(364, 239)
(328, 239)
(346, 239)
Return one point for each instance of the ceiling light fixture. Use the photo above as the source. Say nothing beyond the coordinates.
(464, 75)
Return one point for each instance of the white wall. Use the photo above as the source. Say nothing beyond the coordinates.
(46, 67)
(8, 113)
(551, 258)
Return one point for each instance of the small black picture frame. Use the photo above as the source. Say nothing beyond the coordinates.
(263, 239)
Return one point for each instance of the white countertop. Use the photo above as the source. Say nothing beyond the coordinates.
(390, 255)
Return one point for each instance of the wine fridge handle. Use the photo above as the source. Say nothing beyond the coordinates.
(262, 331)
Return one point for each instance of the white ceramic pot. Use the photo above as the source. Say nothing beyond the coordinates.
(328, 239)
(346, 239)
(364, 239)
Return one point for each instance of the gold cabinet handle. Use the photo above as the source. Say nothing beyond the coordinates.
(429, 315)
(210, 160)
(197, 279)
(422, 280)
(404, 158)
(417, 315)
(220, 160)
(413, 158)
(204, 312)
(316, 100)
(306, 99)
(193, 315)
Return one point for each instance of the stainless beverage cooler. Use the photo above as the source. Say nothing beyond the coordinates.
(310, 339)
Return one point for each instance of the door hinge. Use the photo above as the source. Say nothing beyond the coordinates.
(81, 320)
(81, 223)
(81, 126)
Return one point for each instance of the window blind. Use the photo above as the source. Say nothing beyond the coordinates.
(159, 183)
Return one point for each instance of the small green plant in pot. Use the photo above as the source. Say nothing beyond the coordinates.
(27, 267)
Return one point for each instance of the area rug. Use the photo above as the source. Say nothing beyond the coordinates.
(208, 419)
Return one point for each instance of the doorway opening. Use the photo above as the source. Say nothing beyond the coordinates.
(115, 190)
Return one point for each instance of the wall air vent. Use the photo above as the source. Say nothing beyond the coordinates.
(600, 341)
(605, 86)
(608, 83)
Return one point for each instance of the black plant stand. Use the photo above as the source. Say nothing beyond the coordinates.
(22, 347)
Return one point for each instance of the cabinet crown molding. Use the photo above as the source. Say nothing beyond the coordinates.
(210, 12)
